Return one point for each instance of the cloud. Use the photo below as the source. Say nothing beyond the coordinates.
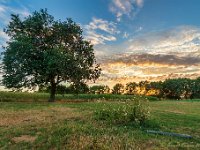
(104, 25)
(139, 3)
(139, 29)
(112, 80)
(3, 35)
(152, 60)
(125, 35)
(97, 38)
(180, 41)
(5, 12)
(156, 55)
(98, 31)
(146, 66)
(125, 8)
(3, 38)
(125, 69)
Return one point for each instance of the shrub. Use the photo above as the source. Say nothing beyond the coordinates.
(134, 112)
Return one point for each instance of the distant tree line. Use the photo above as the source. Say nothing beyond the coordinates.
(180, 88)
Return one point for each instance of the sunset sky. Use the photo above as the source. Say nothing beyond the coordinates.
(134, 40)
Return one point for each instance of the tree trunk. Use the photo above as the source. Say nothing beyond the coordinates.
(52, 92)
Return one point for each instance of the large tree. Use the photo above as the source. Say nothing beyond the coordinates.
(42, 51)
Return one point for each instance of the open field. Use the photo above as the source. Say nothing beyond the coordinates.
(72, 125)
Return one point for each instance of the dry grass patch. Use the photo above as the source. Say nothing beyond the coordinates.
(175, 111)
(24, 138)
(104, 142)
(47, 115)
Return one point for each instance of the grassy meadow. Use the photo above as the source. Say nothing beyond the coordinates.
(27, 121)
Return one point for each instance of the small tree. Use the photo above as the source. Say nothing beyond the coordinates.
(131, 87)
(106, 89)
(118, 89)
(143, 87)
(44, 51)
(155, 89)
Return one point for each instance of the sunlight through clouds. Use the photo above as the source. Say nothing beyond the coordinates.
(155, 55)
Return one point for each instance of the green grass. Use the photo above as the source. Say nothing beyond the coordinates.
(67, 125)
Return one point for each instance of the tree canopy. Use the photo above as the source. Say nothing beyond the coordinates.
(131, 87)
(100, 89)
(42, 51)
(118, 88)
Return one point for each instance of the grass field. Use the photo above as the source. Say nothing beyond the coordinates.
(72, 125)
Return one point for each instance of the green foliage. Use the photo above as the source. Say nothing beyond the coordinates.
(60, 89)
(135, 112)
(196, 88)
(157, 87)
(118, 89)
(80, 88)
(44, 51)
(99, 89)
(131, 88)
(177, 88)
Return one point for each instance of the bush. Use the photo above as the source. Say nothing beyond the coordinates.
(134, 112)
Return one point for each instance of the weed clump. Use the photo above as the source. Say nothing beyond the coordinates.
(136, 111)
